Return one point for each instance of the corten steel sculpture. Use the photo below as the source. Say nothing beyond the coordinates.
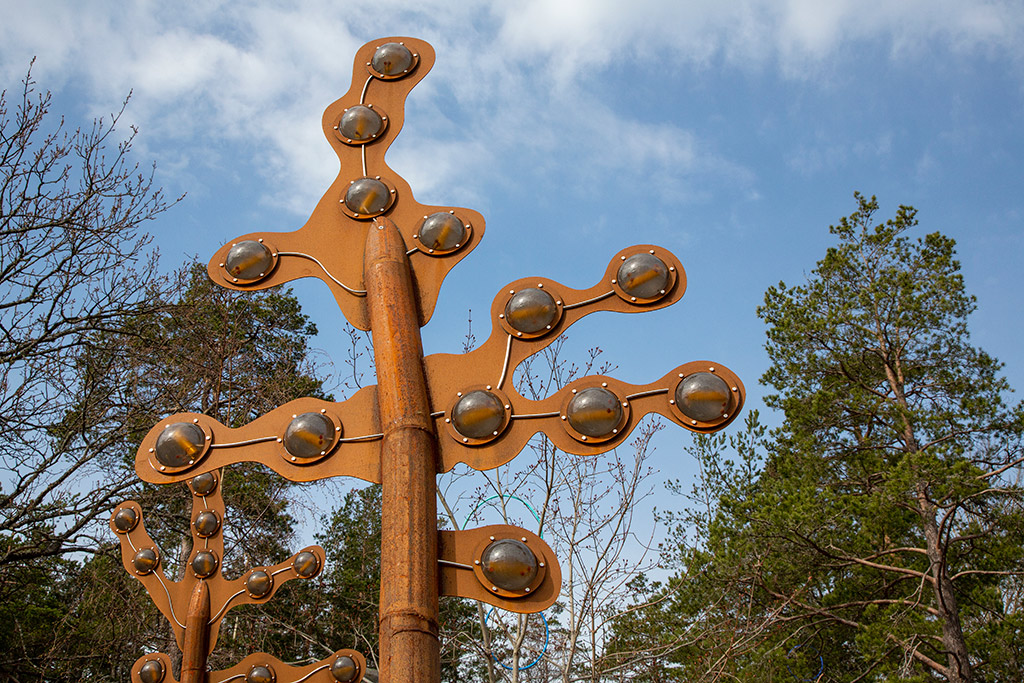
(384, 256)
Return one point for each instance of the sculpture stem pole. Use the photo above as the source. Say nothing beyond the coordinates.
(409, 645)
(197, 636)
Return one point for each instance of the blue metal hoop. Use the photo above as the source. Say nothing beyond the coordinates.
(508, 496)
(547, 633)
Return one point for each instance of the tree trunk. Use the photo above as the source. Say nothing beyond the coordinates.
(945, 598)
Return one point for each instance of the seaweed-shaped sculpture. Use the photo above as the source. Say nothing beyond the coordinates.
(384, 256)
(197, 604)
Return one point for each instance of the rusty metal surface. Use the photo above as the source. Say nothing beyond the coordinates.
(336, 236)
(492, 366)
(409, 585)
(459, 554)
(173, 598)
(356, 454)
(317, 672)
(197, 635)
(495, 361)
(385, 265)
(530, 417)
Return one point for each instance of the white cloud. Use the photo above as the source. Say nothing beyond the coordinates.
(521, 73)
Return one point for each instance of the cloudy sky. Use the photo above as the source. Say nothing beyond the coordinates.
(733, 133)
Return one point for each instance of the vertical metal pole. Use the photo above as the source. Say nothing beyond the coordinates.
(409, 645)
(197, 636)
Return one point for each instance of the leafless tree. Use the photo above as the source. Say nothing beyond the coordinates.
(586, 508)
(74, 266)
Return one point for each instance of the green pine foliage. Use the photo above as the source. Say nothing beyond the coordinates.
(878, 534)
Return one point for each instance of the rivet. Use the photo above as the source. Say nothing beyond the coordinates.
(711, 369)
(501, 315)
(488, 387)
(672, 269)
(540, 284)
(221, 265)
(548, 327)
(323, 410)
(457, 246)
(523, 539)
(615, 431)
(458, 393)
(632, 298)
(494, 588)
(261, 240)
(234, 279)
(152, 450)
(447, 420)
(680, 375)
(663, 291)
(293, 458)
(604, 384)
(623, 258)
(563, 417)
(416, 236)
(614, 281)
(476, 561)
(671, 402)
(191, 462)
(280, 440)
(725, 414)
(430, 251)
(465, 440)
(583, 438)
(558, 303)
(693, 422)
(494, 433)
(541, 564)
(162, 468)
(511, 291)
(527, 589)
(574, 391)
(652, 251)
(519, 334)
(337, 429)
(625, 405)
(377, 177)
(508, 407)
(492, 538)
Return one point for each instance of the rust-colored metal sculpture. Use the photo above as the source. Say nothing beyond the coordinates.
(197, 604)
(384, 257)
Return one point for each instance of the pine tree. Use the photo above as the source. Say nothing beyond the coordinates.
(880, 534)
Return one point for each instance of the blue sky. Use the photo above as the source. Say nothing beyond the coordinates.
(731, 133)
